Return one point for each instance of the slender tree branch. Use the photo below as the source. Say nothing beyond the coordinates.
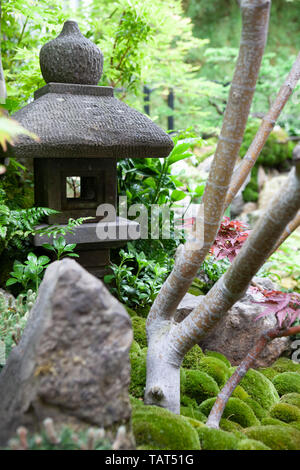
(216, 413)
(255, 18)
(263, 132)
(233, 284)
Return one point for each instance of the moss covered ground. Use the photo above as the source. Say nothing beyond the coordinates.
(262, 414)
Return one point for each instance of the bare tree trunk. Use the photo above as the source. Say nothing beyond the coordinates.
(226, 392)
(169, 342)
(255, 18)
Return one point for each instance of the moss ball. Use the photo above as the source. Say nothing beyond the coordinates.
(218, 355)
(285, 412)
(291, 398)
(192, 358)
(234, 428)
(215, 368)
(160, 429)
(190, 412)
(288, 382)
(251, 444)
(236, 410)
(268, 372)
(240, 393)
(194, 422)
(283, 364)
(139, 331)
(272, 421)
(260, 388)
(199, 385)
(276, 437)
(257, 409)
(138, 374)
(216, 439)
(188, 402)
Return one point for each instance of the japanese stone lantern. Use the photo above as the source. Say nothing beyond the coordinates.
(83, 130)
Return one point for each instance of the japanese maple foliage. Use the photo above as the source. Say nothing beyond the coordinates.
(231, 236)
(285, 305)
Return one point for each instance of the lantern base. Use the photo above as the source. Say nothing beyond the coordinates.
(94, 241)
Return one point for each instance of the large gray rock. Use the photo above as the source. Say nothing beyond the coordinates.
(72, 363)
(237, 332)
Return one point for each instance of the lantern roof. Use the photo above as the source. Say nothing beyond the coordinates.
(73, 117)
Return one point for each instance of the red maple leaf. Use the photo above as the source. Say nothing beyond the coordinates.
(231, 236)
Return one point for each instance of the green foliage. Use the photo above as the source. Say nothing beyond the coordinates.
(29, 274)
(17, 225)
(160, 429)
(219, 356)
(287, 382)
(199, 386)
(250, 193)
(13, 317)
(236, 410)
(136, 280)
(276, 437)
(65, 438)
(260, 388)
(276, 150)
(61, 248)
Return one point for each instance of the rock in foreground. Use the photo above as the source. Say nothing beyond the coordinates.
(72, 363)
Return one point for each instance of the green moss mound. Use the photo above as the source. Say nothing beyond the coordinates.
(273, 422)
(257, 409)
(199, 385)
(276, 437)
(138, 372)
(288, 382)
(194, 422)
(218, 355)
(236, 410)
(139, 331)
(160, 429)
(215, 368)
(240, 393)
(260, 388)
(283, 364)
(251, 444)
(285, 412)
(216, 439)
(232, 427)
(192, 358)
(188, 402)
(291, 398)
(190, 412)
(268, 372)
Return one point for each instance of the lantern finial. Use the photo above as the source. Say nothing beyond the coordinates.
(71, 58)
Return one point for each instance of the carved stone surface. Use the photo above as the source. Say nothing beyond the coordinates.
(72, 363)
(71, 58)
